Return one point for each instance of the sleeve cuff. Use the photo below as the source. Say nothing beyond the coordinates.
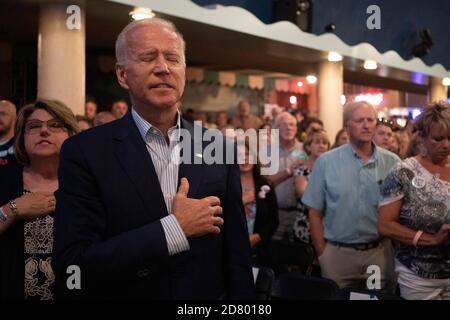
(311, 204)
(387, 201)
(175, 237)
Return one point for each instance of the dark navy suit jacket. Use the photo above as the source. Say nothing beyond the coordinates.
(107, 222)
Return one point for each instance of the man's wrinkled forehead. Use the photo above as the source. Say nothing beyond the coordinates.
(147, 34)
(287, 121)
(363, 111)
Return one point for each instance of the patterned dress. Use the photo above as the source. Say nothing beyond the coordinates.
(39, 277)
(301, 231)
(426, 206)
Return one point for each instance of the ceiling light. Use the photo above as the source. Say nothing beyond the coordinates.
(293, 99)
(370, 65)
(374, 99)
(140, 13)
(333, 56)
(311, 79)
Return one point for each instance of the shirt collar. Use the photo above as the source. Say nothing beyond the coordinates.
(3, 142)
(296, 145)
(373, 157)
(146, 127)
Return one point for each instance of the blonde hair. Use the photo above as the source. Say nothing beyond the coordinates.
(315, 135)
(56, 109)
(437, 112)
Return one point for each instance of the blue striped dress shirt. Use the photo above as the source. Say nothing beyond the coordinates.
(165, 158)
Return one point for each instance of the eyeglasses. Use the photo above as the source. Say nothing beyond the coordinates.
(53, 125)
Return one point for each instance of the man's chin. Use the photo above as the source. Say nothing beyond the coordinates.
(162, 104)
(364, 140)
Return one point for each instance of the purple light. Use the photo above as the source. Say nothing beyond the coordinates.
(418, 78)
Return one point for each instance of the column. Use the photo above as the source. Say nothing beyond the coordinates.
(330, 87)
(437, 90)
(61, 55)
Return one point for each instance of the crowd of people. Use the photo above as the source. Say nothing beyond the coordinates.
(112, 201)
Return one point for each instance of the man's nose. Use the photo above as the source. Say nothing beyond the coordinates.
(161, 66)
(366, 123)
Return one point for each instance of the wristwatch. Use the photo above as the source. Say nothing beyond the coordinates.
(13, 207)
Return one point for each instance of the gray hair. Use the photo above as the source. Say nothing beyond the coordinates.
(280, 117)
(122, 39)
(352, 106)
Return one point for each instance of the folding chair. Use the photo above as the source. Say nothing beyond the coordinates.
(292, 257)
(263, 277)
(295, 286)
(360, 294)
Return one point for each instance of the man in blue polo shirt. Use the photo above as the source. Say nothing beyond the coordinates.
(343, 194)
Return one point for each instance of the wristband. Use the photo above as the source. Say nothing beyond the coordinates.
(417, 237)
(3, 215)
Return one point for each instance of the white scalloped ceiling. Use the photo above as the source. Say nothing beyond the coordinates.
(241, 20)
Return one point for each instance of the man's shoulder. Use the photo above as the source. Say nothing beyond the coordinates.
(256, 119)
(334, 154)
(388, 155)
(7, 144)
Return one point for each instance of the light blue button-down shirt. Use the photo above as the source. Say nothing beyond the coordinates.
(347, 191)
(165, 158)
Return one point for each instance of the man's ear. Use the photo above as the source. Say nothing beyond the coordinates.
(121, 76)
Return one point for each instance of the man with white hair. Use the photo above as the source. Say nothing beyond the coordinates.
(139, 224)
(343, 195)
(289, 151)
(7, 123)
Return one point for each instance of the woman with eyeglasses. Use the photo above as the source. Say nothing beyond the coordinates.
(415, 210)
(27, 201)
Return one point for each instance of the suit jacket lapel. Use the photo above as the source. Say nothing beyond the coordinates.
(131, 152)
